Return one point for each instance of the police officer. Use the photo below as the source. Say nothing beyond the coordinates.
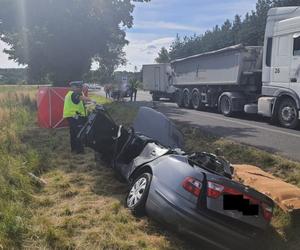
(75, 113)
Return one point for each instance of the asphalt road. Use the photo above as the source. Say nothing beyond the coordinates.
(250, 130)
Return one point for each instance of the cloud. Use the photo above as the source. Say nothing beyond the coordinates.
(167, 26)
(156, 24)
(143, 51)
(151, 47)
(4, 61)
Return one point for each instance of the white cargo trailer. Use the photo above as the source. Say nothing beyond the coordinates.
(157, 78)
(263, 80)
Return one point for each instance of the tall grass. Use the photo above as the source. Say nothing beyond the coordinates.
(17, 111)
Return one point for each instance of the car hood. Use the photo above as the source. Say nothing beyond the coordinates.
(158, 127)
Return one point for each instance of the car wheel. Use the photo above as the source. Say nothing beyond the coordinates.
(138, 194)
(287, 114)
(226, 106)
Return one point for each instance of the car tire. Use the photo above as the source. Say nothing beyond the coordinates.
(138, 194)
(288, 114)
(226, 106)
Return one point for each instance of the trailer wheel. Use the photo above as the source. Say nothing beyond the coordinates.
(196, 100)
(287, 114)
(225, 105)
(186, 99)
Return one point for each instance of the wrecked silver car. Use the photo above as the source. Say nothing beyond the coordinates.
(195, 193)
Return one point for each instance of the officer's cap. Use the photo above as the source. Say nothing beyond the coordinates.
(76, 84)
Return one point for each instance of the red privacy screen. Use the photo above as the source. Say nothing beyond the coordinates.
(50, 102)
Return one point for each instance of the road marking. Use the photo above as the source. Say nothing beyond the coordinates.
(250, 125)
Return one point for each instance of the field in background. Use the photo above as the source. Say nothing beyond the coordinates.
(82, 205)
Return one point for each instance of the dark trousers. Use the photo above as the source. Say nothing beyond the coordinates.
(75, 127)
(133, 95)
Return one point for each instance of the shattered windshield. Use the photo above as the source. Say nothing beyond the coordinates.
(212, 163)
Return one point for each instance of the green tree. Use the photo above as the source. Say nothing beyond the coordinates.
(227, 34)
(262, 8)
(236, 29)
(58, 39)
(249, 31)
(163, 56)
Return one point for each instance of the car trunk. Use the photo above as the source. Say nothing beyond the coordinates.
(228, 200)
(244, 205)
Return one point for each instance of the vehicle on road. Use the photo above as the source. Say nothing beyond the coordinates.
(195, 193)
(93, 86)
(254, 79)
(121, 91)
(158, 80)
(127, 90)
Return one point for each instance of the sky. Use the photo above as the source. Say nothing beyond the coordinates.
(157, 23)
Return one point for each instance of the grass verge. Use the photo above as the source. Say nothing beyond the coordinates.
(82, 205)
(17, 109)
(285, 230)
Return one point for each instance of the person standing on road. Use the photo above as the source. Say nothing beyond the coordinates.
(134, 88)
(75, 113)
(107, 89)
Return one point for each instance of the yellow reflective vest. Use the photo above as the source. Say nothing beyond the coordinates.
(71, 109)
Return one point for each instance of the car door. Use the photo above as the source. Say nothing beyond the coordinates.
(99, 132)
(295, 65)
(281, 60)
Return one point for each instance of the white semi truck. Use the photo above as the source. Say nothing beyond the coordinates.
(263, 80)
(158, 80)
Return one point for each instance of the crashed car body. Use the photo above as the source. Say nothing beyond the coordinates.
(194, 193)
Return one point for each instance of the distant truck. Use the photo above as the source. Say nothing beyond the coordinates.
(263, 80)
(157, 78)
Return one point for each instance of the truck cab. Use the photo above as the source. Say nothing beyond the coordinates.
(280, 98)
